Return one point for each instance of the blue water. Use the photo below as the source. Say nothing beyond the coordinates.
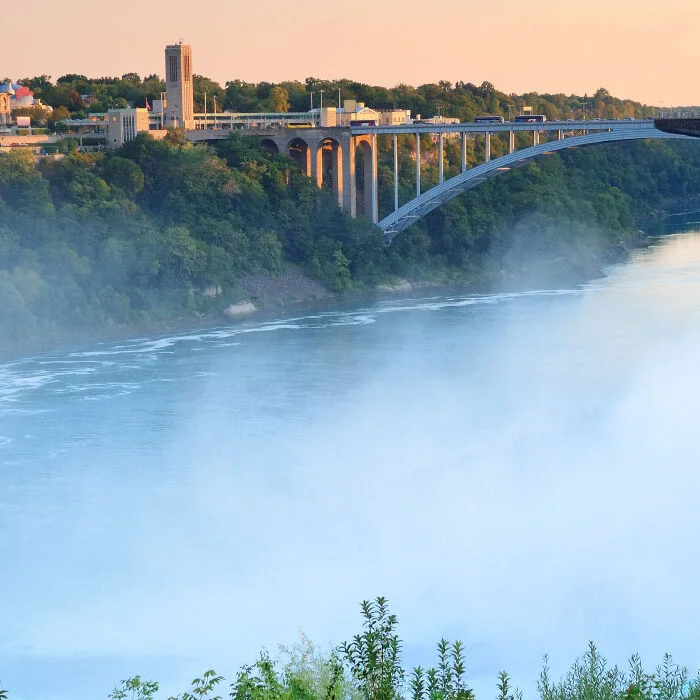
(515, 470)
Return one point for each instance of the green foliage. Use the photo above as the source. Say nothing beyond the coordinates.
(374, 655)
(134, 689)
(591, 678)
(444, 682)
(305, 675)
(203, 687)
(463, 99)
(505, 692)
(373, 659)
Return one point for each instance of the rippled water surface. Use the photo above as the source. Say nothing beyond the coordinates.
(518, 470)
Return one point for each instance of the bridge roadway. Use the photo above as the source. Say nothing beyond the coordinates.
(473, 128)
(420, 128)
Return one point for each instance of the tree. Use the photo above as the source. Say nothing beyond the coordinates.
(279, 99)
(125, 174)
(71, 78)
(58, 114)
(215, 94)
(37, 84)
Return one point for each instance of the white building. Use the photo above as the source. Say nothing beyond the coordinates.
(124, 124)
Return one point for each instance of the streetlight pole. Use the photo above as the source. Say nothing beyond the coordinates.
(162, 110)
(205, 111)
(215, 111)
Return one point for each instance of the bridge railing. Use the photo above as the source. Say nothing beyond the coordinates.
(678, 113)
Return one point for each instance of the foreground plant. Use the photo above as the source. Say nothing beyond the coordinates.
(590, 678)
(134, 689)
(374, 655)
(373, 659)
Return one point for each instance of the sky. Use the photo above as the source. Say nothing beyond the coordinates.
(644, 50)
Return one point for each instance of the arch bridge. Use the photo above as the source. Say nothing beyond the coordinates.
(333, 154)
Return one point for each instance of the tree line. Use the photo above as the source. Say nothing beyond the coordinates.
(75, 95)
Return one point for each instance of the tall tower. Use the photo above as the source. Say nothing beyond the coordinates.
(179, 90)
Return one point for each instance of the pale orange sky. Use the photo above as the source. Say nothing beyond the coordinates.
(647, 50)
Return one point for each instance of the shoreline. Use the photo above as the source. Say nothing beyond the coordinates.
(291, 292)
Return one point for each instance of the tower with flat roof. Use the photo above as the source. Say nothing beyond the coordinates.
(179, 90)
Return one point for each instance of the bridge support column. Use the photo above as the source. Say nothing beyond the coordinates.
(464, 153)
(309, 162)
(560, 134)
(370, 199)
(374, 169)
(337, 170)
(396, 172)
(441, 157)
(487, 146)
(314, 159)
(511, 141)
(536, 137)
(417, 164)
(349, 182)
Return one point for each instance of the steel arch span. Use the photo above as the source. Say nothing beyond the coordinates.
(417, 208)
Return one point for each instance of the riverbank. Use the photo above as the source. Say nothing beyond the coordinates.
(263, 297)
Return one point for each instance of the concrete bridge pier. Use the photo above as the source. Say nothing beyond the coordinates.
(441, 157)
(464, 153)
(315, 164)
(417, 164)
(374, 190)
(349, 194)
(511, 141)
(487, 146)
(336, 158)
(396, 172)
(535, 138)
(367, 143)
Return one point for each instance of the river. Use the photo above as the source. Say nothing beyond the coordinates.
(519, 471)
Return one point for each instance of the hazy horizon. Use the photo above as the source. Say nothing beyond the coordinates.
(558, 50)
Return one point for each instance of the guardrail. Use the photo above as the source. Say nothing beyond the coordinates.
(680, 113)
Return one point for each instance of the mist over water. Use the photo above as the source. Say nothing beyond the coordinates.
(518, 471)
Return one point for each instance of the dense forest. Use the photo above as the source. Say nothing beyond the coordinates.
(370, 667)
(163, 230)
